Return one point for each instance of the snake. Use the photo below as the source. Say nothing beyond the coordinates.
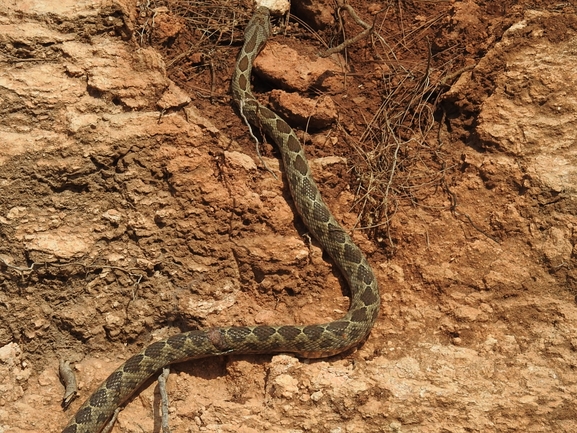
(306, 341)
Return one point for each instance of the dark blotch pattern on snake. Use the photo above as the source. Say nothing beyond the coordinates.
(308, 341)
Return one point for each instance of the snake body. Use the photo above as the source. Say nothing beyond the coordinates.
(309, 341)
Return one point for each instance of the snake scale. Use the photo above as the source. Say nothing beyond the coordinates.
(309, 341)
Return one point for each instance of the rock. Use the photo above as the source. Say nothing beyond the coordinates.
(173, 97)
(238, 159)
(286, 68)
(304, 112)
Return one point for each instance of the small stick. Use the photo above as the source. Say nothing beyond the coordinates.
(68, 379)
(164, 398)
(110, 423)
(368, 29)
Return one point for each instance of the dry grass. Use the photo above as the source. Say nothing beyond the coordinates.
(211, 27)
(400, 154)
(215, 22)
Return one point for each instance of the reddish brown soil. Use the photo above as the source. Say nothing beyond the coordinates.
(121, 224)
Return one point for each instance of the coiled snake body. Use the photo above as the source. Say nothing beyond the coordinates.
(310, 341)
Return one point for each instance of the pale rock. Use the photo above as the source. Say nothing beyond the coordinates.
(173, 97)
(238, 159)
(279, 7)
